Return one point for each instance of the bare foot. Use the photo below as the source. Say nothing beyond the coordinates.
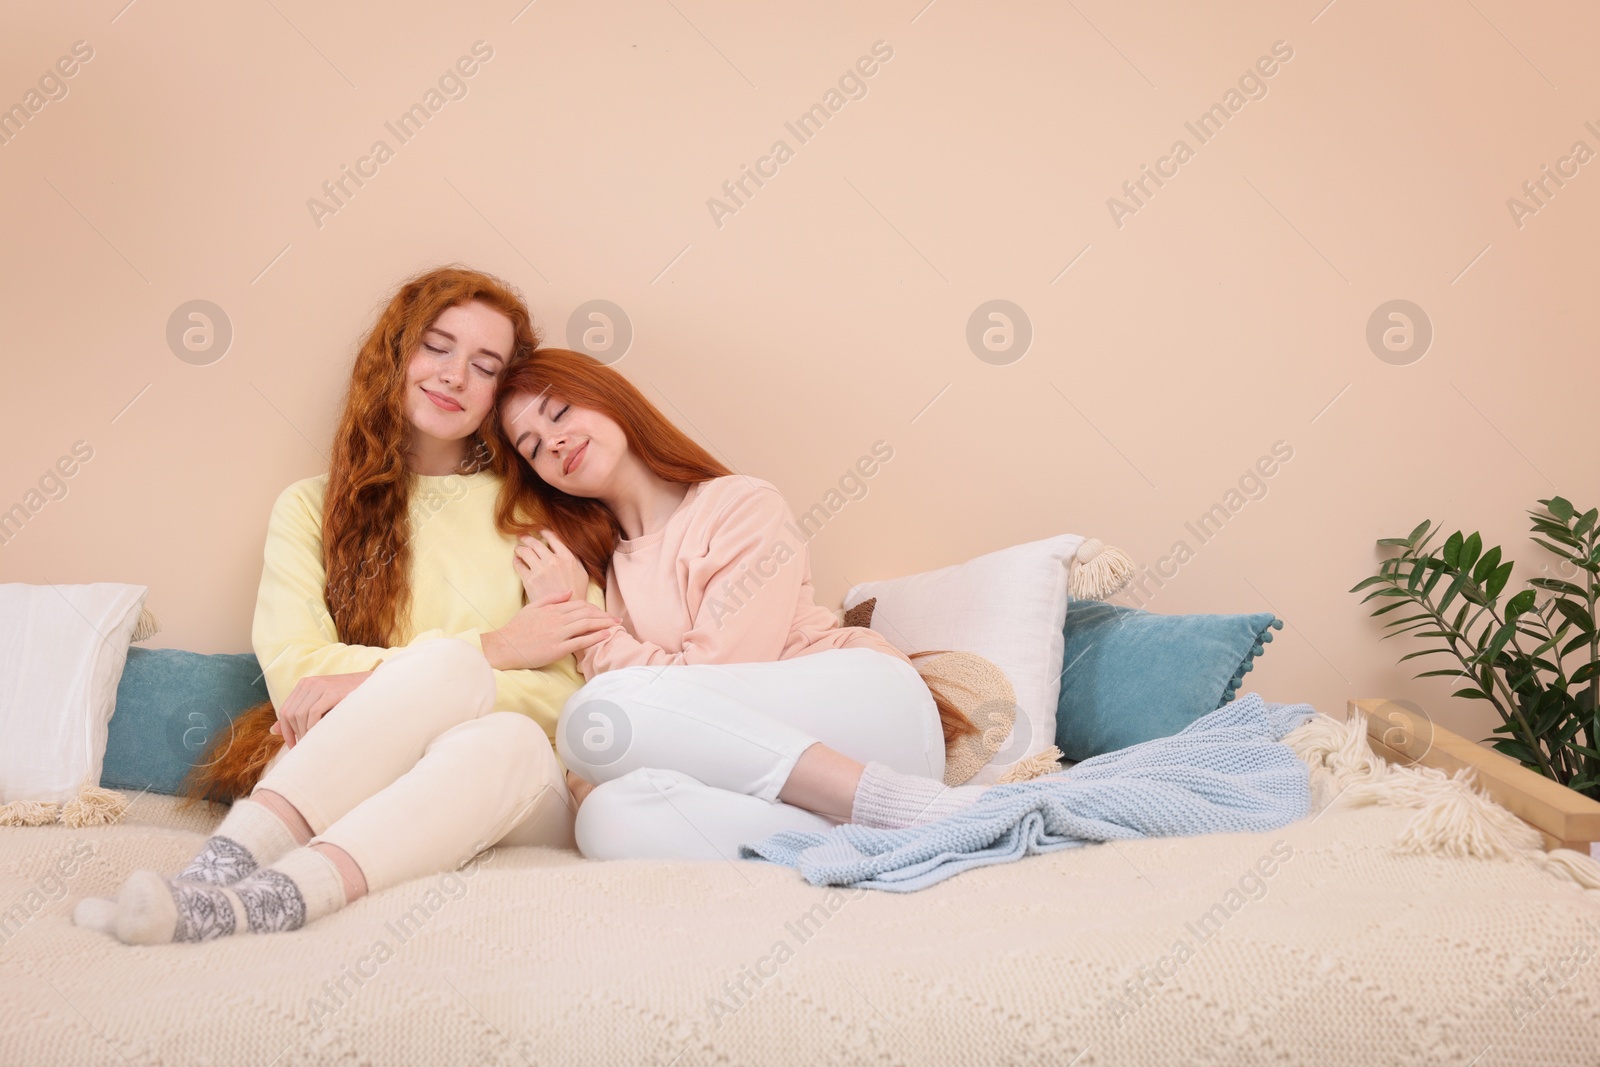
(579, 788)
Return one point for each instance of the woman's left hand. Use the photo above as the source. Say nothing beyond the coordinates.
(311, 698)
(549, 568)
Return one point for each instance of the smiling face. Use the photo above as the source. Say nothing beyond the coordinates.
(576, 450)
(451, 378)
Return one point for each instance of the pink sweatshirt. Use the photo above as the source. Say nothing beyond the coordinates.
(727, 579)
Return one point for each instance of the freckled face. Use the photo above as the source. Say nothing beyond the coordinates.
(573, 449)
(451, 378)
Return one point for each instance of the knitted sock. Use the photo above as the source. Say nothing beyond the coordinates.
(889, 800)
(96, 913)
(251, 834)
(299, 888)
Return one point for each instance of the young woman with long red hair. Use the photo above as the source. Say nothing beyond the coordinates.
(413, 694)
(724, 704)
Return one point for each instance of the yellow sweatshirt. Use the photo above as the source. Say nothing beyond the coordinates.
(462, 585)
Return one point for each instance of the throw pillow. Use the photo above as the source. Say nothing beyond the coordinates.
(171, 703)
(62, 650)
(1008, 607)
(1130, 676)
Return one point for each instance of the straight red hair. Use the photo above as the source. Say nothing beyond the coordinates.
(585, 526)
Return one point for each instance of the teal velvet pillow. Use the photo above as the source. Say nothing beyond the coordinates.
(1131, 676)
(170, 704)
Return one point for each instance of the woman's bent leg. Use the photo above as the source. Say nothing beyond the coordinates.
(662, 814)
(475, 785)
(741, 726)
(380, 731)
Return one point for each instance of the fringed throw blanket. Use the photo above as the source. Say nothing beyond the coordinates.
(1227, 771)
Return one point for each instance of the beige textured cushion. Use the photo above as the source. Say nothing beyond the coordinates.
(980, 691)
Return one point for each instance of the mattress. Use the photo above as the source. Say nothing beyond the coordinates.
(1317, 944)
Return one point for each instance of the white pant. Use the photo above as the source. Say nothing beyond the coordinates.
(689, 759)
(414, 773)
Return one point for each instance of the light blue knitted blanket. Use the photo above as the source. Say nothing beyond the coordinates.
(1223, 773)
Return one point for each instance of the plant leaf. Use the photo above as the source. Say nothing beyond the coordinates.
(1558, 551)
(1452, 549)
(1575, 644)
(1438, 568)
(1499, 642)
(1556, 585)
(1577, 613)
(1498, 577)
(1490, 560)
(1521, 604)
(1424, 652)
(1558, 532)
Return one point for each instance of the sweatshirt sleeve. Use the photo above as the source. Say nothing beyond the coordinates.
(741, 593)
(294, 636)
(293, 632)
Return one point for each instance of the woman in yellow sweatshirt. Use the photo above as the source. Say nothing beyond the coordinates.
(416, 696)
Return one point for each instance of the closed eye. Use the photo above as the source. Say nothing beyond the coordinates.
(557, 418)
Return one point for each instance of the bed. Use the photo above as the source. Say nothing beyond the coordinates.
(1322, 943)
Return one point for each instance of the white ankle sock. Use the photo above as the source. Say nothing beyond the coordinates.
(250, 835)
(301, 887)
(889, 800)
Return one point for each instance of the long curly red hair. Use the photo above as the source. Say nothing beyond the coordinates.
(587, 526)
(366, 531)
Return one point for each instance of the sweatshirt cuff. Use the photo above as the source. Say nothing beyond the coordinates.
(471, 637)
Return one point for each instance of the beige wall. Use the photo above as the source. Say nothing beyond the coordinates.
(1172, 347)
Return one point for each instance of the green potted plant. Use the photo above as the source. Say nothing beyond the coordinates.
(1537, 662)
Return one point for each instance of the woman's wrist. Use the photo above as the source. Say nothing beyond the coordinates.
(499, 652)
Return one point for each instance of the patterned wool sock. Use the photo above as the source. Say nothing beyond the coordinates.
(301, 887)
(889, 800)
(250, 835)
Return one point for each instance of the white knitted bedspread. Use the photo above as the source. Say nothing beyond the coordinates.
(1345, 954)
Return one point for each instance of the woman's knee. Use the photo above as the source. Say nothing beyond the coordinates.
(597, 722)
(462, 667)
(512, 741)
(616, 814)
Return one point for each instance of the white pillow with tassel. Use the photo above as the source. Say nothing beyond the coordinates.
(1010, 608)
(62, 651)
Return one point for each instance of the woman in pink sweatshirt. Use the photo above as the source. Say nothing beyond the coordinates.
(726, 705)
